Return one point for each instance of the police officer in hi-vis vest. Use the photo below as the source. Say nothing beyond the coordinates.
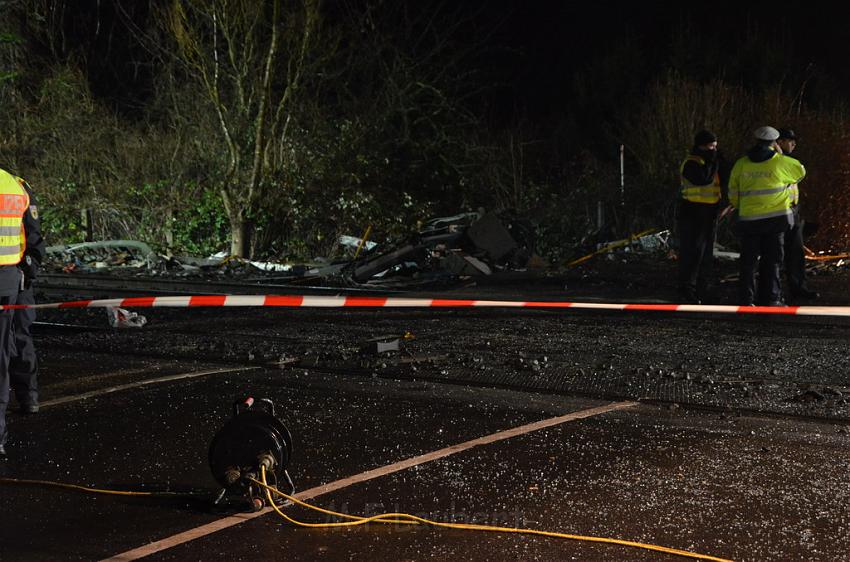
(23, 367)
(698, 206)
(18, 263)
(795, 251)
(762, 189)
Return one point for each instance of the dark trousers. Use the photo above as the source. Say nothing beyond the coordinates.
(795, 257)
(762, 252)
(5, 352)
(697, 224)
(23, 366)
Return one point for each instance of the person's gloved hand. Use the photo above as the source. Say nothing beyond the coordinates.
(29, 267)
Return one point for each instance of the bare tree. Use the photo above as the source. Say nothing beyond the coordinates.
(250, 58)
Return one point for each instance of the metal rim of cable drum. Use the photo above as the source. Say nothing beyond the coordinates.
(237, 448)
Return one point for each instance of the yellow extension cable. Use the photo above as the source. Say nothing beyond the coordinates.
(407, 519)
(85, 489)
(386, 518)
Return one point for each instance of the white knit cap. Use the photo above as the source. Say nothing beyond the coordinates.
(766, 133)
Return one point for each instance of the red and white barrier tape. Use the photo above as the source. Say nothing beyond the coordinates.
(296, 301)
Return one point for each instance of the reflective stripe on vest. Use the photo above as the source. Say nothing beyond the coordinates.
(763, 190)
(709, 193)
(14, 202)
(795, 193)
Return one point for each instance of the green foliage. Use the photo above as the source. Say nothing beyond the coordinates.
(150, 212)
(10, 38)
(61, 219)
(191, 216)
(200, 225)
(342, 176)
(375, 126)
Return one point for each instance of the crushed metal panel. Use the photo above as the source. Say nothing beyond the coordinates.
(490, 235)
(460, 264)
(478, 265)
(376, 265)
(106, 251)
(655, 242)
(450, 224)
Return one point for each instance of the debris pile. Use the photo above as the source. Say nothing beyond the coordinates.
(91, 256)
(648, 241)
(446, 249)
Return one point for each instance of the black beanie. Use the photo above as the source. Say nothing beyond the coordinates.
(704, 137)
(787, 134)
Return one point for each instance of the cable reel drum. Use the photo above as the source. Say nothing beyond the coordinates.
(252, 438)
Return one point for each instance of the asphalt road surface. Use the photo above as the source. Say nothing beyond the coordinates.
(723, 436)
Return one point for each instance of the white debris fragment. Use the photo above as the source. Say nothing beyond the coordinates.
(121, 318)
(354, 242)
(271, 266)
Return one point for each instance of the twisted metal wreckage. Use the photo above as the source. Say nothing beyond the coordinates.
(443, 252)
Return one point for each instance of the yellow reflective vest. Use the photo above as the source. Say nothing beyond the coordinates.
(14, 202)
(762, 190)
(709, 193)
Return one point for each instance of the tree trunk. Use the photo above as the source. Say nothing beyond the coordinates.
(86, 218)
(238, 238)
(168, 230)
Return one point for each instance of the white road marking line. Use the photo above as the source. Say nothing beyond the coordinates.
(111, 389)
(230, 521)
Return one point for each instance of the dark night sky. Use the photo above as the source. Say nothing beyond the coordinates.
(541, 45)
(558, 39)
(565, 31)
